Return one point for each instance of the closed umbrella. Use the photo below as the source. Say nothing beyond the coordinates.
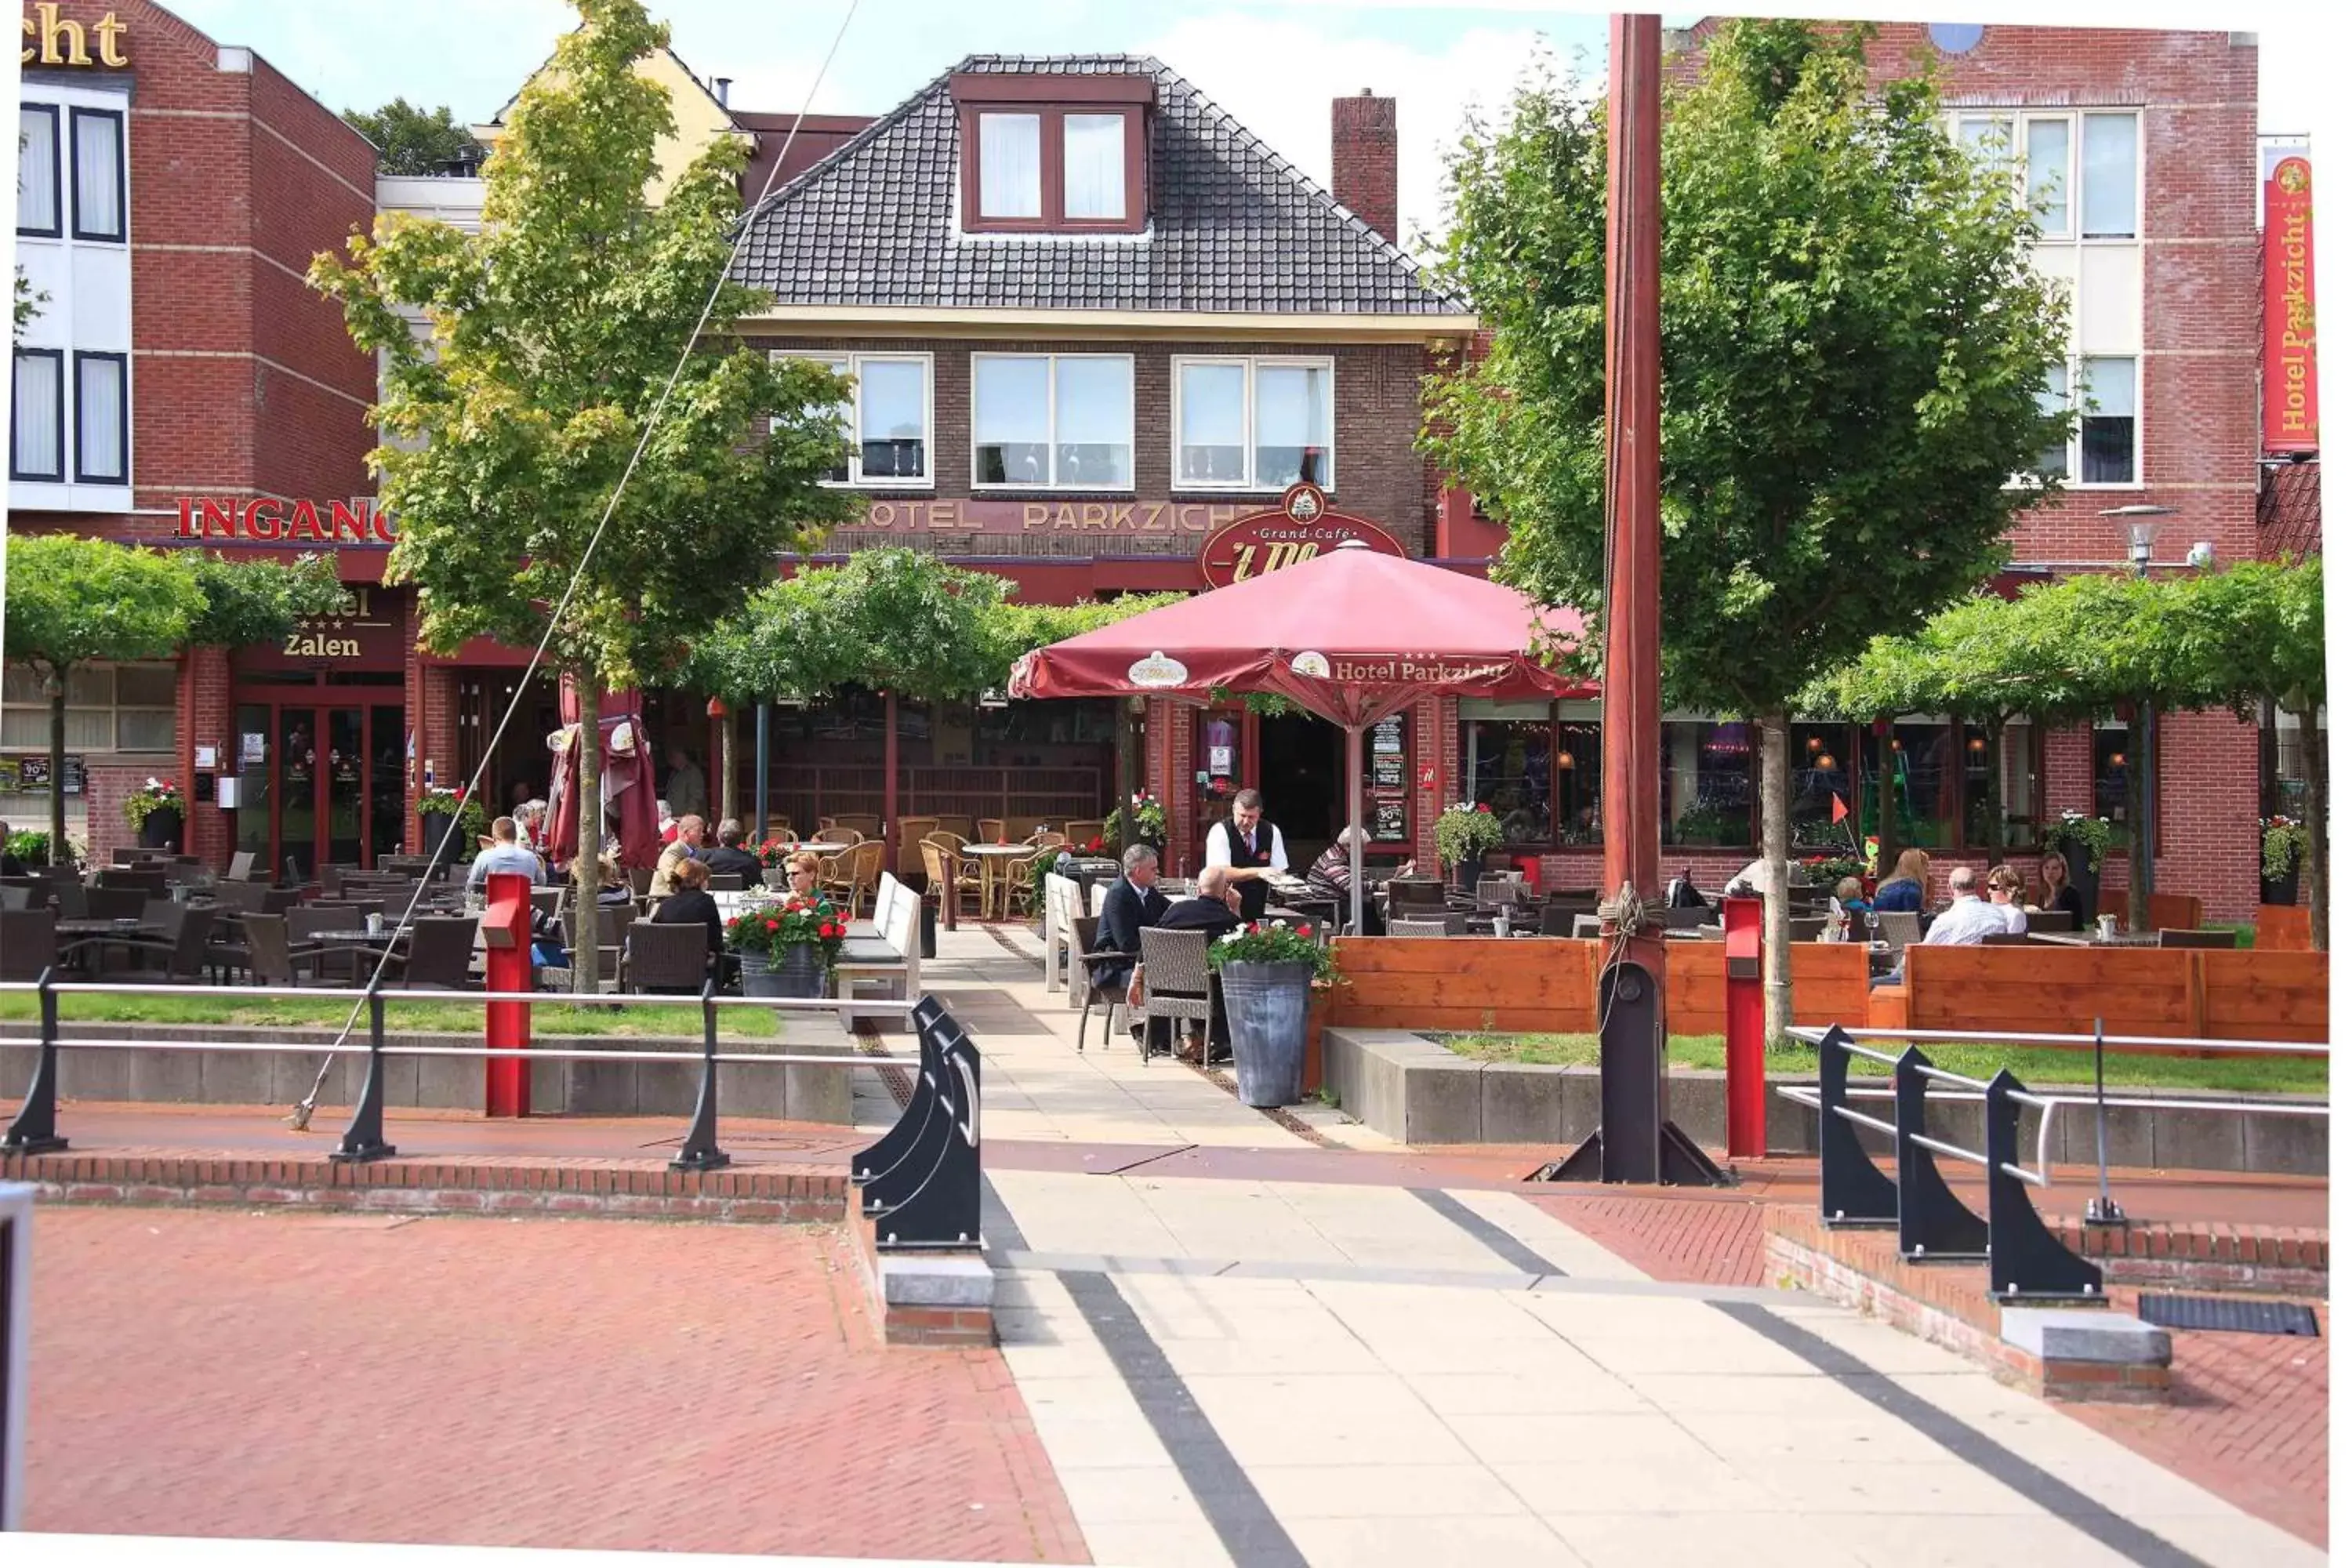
(1353, 636)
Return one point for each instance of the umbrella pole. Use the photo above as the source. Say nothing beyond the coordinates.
(1356, 821)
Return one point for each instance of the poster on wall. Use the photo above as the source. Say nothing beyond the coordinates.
(1387, 814)
(30, 774)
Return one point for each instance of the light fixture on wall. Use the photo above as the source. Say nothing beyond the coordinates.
(1976, 742)
(1568, 759)
(2115, 759)
(1825, 761)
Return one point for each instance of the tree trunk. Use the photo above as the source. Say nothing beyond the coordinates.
(2143, 845)
(56, 693)
(1775, 728)
(727, 801)
(890, 778)
(1890, 842)
(587, 925)
(2314, 749)
(1994, 786)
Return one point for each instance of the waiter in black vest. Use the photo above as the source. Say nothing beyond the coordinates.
(1252, 847)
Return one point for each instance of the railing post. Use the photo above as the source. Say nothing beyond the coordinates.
(1855, 1191)
(363, 1139)
(1929, 1222)
(2027, 1262)
(2103, 1209)
(34, 1130)
(700, 1152)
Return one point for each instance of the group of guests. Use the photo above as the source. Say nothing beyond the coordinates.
(1136, 903)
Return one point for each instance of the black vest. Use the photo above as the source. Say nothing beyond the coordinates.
(1238, 851)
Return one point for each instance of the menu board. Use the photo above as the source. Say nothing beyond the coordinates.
(30, 774)
(1387, 773)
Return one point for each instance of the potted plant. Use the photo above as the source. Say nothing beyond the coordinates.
(1149, 821)
(1828, 871)
(2284, 842)
(30, 849)
(438, 808)
(787, 945)
(153, 811)
(1268, 971)
(775, 861)
(2081, 840)
(1465, 833)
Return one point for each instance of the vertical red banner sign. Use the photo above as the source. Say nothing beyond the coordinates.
(2290, 345)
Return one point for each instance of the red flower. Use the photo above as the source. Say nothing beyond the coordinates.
(1485, 807)
(772, 925)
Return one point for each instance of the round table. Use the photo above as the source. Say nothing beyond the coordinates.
(994, 859)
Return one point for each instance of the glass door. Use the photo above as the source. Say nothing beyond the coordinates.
(256, 823)
(298, 790)
(343, 768)
(387, 804)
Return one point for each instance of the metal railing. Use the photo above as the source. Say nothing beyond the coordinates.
(34, 1128)
(2025, 1260)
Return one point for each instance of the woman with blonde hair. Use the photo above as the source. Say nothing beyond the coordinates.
(1908, 889)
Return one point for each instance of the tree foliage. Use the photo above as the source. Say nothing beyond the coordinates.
(412, 140)
(247, 602)
(552, 334)
(1854, 346)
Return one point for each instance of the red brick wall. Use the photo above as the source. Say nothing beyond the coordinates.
(207, 718)
(1364, 159)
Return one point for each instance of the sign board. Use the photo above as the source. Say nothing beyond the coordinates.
(53, 41)
(2290, 344)
(961, 516)
(1387, 816)
(364, 634)
(267, 520)
(254, 747)
(32, 774)
(1303, 527)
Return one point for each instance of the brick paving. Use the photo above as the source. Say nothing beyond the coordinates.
(588, 1383)
(2248, 1419)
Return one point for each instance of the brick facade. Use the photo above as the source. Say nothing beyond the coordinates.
(1364, 159)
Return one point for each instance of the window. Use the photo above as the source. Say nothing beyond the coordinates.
(2115, 774)
(1054, 421)
(1822, 772)
(101, 419)
(2015, 830)
(98, 173)
(36, 446)
(1539, 776)
(2049, 174)
(1052, 154)
(2110, 176)
(2110, 422)
(1919, 752)
(1708, 782)
(886, 420)
(109, 708)
(37, 170)
(1253, 424)
(1094, 167)
(1011, 178)
(2057, 395)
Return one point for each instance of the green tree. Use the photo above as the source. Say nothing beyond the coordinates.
(1854, 346)
(74, 601)
(547, 484)
(410, 140)
(247, 602)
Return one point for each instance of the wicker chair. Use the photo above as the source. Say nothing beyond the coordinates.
(1444, 925)
(440, 955)
(1085, 929)
(666, 958)
(912, 831)
(28, 943)
(1175, 980)
(1082, 832)
(266, 954)
(959, 825)
(1898, 928)
(839, 836)
(183, 953)
(854, 875)
(992, 830)
(240, 865)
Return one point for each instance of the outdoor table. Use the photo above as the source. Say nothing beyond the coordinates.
(993, 859)
(102, 929)
(2085, 939)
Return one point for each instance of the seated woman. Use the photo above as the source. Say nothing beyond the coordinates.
(1908, 889)
(613, 889)
(1853, 908)
(2057, 892)
(1331, 877)
(692, 904)
(801, 873)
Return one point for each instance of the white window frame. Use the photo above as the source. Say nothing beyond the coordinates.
(1250, 483)
(847, 361)
(1053, 441)
(114, 708)
(2072, 475)
(2019, 119)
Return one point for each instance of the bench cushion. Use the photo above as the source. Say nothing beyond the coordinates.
(869, 949)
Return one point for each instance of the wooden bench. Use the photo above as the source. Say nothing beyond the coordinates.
(2185, 993)
(887, 952)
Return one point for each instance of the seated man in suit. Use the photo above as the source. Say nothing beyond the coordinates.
(1133, 902)
(1217, 910)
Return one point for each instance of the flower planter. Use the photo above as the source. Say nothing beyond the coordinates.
(800, 974)
(437, 828)
(1265, 1011)
(2283, 889)
(2082, 874)
(162, 828)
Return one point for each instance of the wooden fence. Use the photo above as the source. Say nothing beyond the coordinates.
(2209, 994)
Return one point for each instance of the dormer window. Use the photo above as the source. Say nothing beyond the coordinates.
(1052, 154)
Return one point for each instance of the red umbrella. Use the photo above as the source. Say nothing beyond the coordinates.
(628, 769)
(1353, 635)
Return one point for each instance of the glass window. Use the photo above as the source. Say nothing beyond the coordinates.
(840, 365)
(2049, 173)
(2115, 747)
(1508, 766)
(1294, 425)
(1212, 440)
(1709, 783)
(1011, 178)
(2057, 395)
(2110, 421)
(1048, 421)
(1921, 756)
(1093, 166)
(893, 403)
(2110, 176)
(109, 708)
(36, 169)
(37, 449)
(1821, 771)
(1094, 423)
(1012, 420)
(101, 422)
(1576, 775)
(98, 173)
(1985, 138)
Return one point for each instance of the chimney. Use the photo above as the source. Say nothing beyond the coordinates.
(719, 86)
(1364, 159)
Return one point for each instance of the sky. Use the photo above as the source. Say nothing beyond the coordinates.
(1275, 64)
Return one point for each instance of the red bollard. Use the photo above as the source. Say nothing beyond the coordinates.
(1743, 1027)
(506, 966)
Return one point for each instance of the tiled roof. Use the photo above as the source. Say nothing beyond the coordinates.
(1233, 226)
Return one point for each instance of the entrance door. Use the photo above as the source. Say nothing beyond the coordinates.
(330, 787)
(1300, 775)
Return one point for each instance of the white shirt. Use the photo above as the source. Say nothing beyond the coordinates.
(1967, 922)
(2014, 916)
(1220, 847)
